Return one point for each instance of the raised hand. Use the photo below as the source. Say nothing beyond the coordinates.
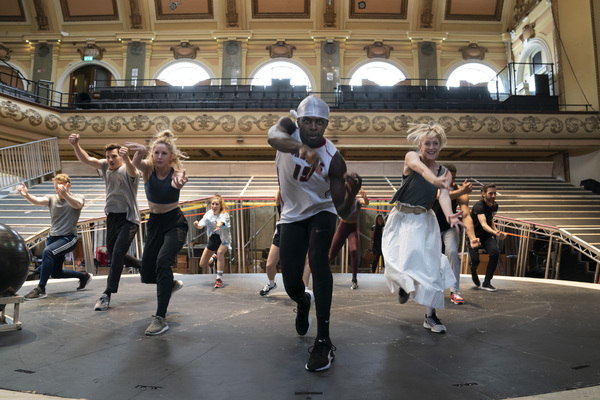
(22, 190)
(123, 152)
(74, 139)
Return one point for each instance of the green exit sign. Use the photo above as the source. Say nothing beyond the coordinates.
(88, 58)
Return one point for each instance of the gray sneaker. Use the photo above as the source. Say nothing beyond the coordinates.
(36, 294)
(177, 285)
(102, 303)
(157, 326)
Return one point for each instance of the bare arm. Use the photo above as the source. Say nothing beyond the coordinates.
(138, 159)
(463, 203)
(364, 199)
(414, 163)
(344, 186)
(465, 189)
(280, 139)
(446, 204)
(81, 154)
(36, 201)
(73, 201)
(486, 227)
(132, 171)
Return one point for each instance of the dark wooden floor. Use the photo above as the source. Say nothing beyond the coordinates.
(528, 338)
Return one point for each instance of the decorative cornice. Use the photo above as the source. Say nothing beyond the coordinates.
(550, 126)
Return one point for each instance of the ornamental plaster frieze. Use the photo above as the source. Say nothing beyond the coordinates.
(44, 120)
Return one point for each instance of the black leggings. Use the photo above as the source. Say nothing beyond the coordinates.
(119, 235)
(165, 236)
(313, 235)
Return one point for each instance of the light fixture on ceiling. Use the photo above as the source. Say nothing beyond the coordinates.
(174, 4)
(362, 5)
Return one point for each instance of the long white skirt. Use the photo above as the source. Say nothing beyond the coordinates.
(412, 250)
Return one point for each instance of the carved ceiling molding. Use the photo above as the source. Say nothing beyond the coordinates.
(281, 50)
(5, 53)
(560, 127)
(40, 17)
(329, 16)
(378, 50)
(232, 16)
(521, 10)
(528, 32)
(136, 16)
(473, 52)
(427, 14)
(184, 50)
(91, 50)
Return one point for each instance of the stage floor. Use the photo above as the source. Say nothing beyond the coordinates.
(530, 337)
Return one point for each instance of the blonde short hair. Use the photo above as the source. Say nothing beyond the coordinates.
(418, 132)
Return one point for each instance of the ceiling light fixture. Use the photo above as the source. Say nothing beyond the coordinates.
(362, 5)
(174, 4)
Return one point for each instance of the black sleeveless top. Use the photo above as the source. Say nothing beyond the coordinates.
(160, 191)
(416, 191)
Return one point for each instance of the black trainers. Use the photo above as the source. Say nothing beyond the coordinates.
(83, 282)
(475, 277)
(36, 294)
(402, 296)
(488, 286)
(321, 355)
(303, 320)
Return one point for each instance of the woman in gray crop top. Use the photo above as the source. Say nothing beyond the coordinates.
(167, 227)
(411, 243)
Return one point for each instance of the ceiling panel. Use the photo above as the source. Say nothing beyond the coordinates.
(12, 10)
(490, 10)
(280, 8)
(378, 9)
(180, 9)
(97, 10)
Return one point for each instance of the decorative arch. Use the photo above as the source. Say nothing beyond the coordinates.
(67, 73)
(21, 71)
(487, 67)
(172, 63)
(365, 63)
(311, 83)
(532, 47)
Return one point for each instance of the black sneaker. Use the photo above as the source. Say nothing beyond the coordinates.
(36, 294)
(321, 355)
(488, 286)
(303, 320)
(83, 282)
(402, 296)
(475, 277)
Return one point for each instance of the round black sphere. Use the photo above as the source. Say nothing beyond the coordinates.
(14, 261)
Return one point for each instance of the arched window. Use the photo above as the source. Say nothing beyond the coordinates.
(471, 74)
(535, 59)
(281, 70)
(379, 72)
(183, 73)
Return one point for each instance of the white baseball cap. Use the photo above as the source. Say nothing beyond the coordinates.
(312, 106)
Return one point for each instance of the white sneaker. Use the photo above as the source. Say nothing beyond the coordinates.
(265, 291)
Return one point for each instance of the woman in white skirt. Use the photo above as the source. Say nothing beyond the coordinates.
(411, 243)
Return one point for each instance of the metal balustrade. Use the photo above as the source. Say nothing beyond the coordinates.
(29, 161)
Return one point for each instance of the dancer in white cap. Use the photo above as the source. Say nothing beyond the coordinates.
(314, 187)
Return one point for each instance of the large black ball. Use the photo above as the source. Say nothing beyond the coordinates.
(14, 261)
